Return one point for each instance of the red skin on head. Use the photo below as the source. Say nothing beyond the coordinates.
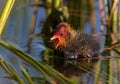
(59, 36)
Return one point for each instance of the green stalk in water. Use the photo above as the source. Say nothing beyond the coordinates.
(11, 72)
(5, 13)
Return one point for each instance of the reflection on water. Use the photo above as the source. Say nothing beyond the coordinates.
(90, 71)
(36, 45)
(82, 72)
(78, 75)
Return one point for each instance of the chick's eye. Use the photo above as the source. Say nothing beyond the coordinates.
(61, 33)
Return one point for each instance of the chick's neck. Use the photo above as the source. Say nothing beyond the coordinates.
(71, 34)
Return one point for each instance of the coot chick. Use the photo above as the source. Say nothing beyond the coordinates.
(73, 43)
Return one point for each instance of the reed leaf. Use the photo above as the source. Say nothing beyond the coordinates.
(49, 2)
(27, 76)
(48, 72)
(110, 77)
(9, 70)
(97, 72)
(118, 62)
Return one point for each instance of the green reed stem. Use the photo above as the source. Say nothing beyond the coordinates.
(5, 13)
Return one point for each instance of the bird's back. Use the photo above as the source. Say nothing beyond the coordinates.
(82, 45)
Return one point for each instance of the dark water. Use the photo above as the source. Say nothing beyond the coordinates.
(17, 30)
